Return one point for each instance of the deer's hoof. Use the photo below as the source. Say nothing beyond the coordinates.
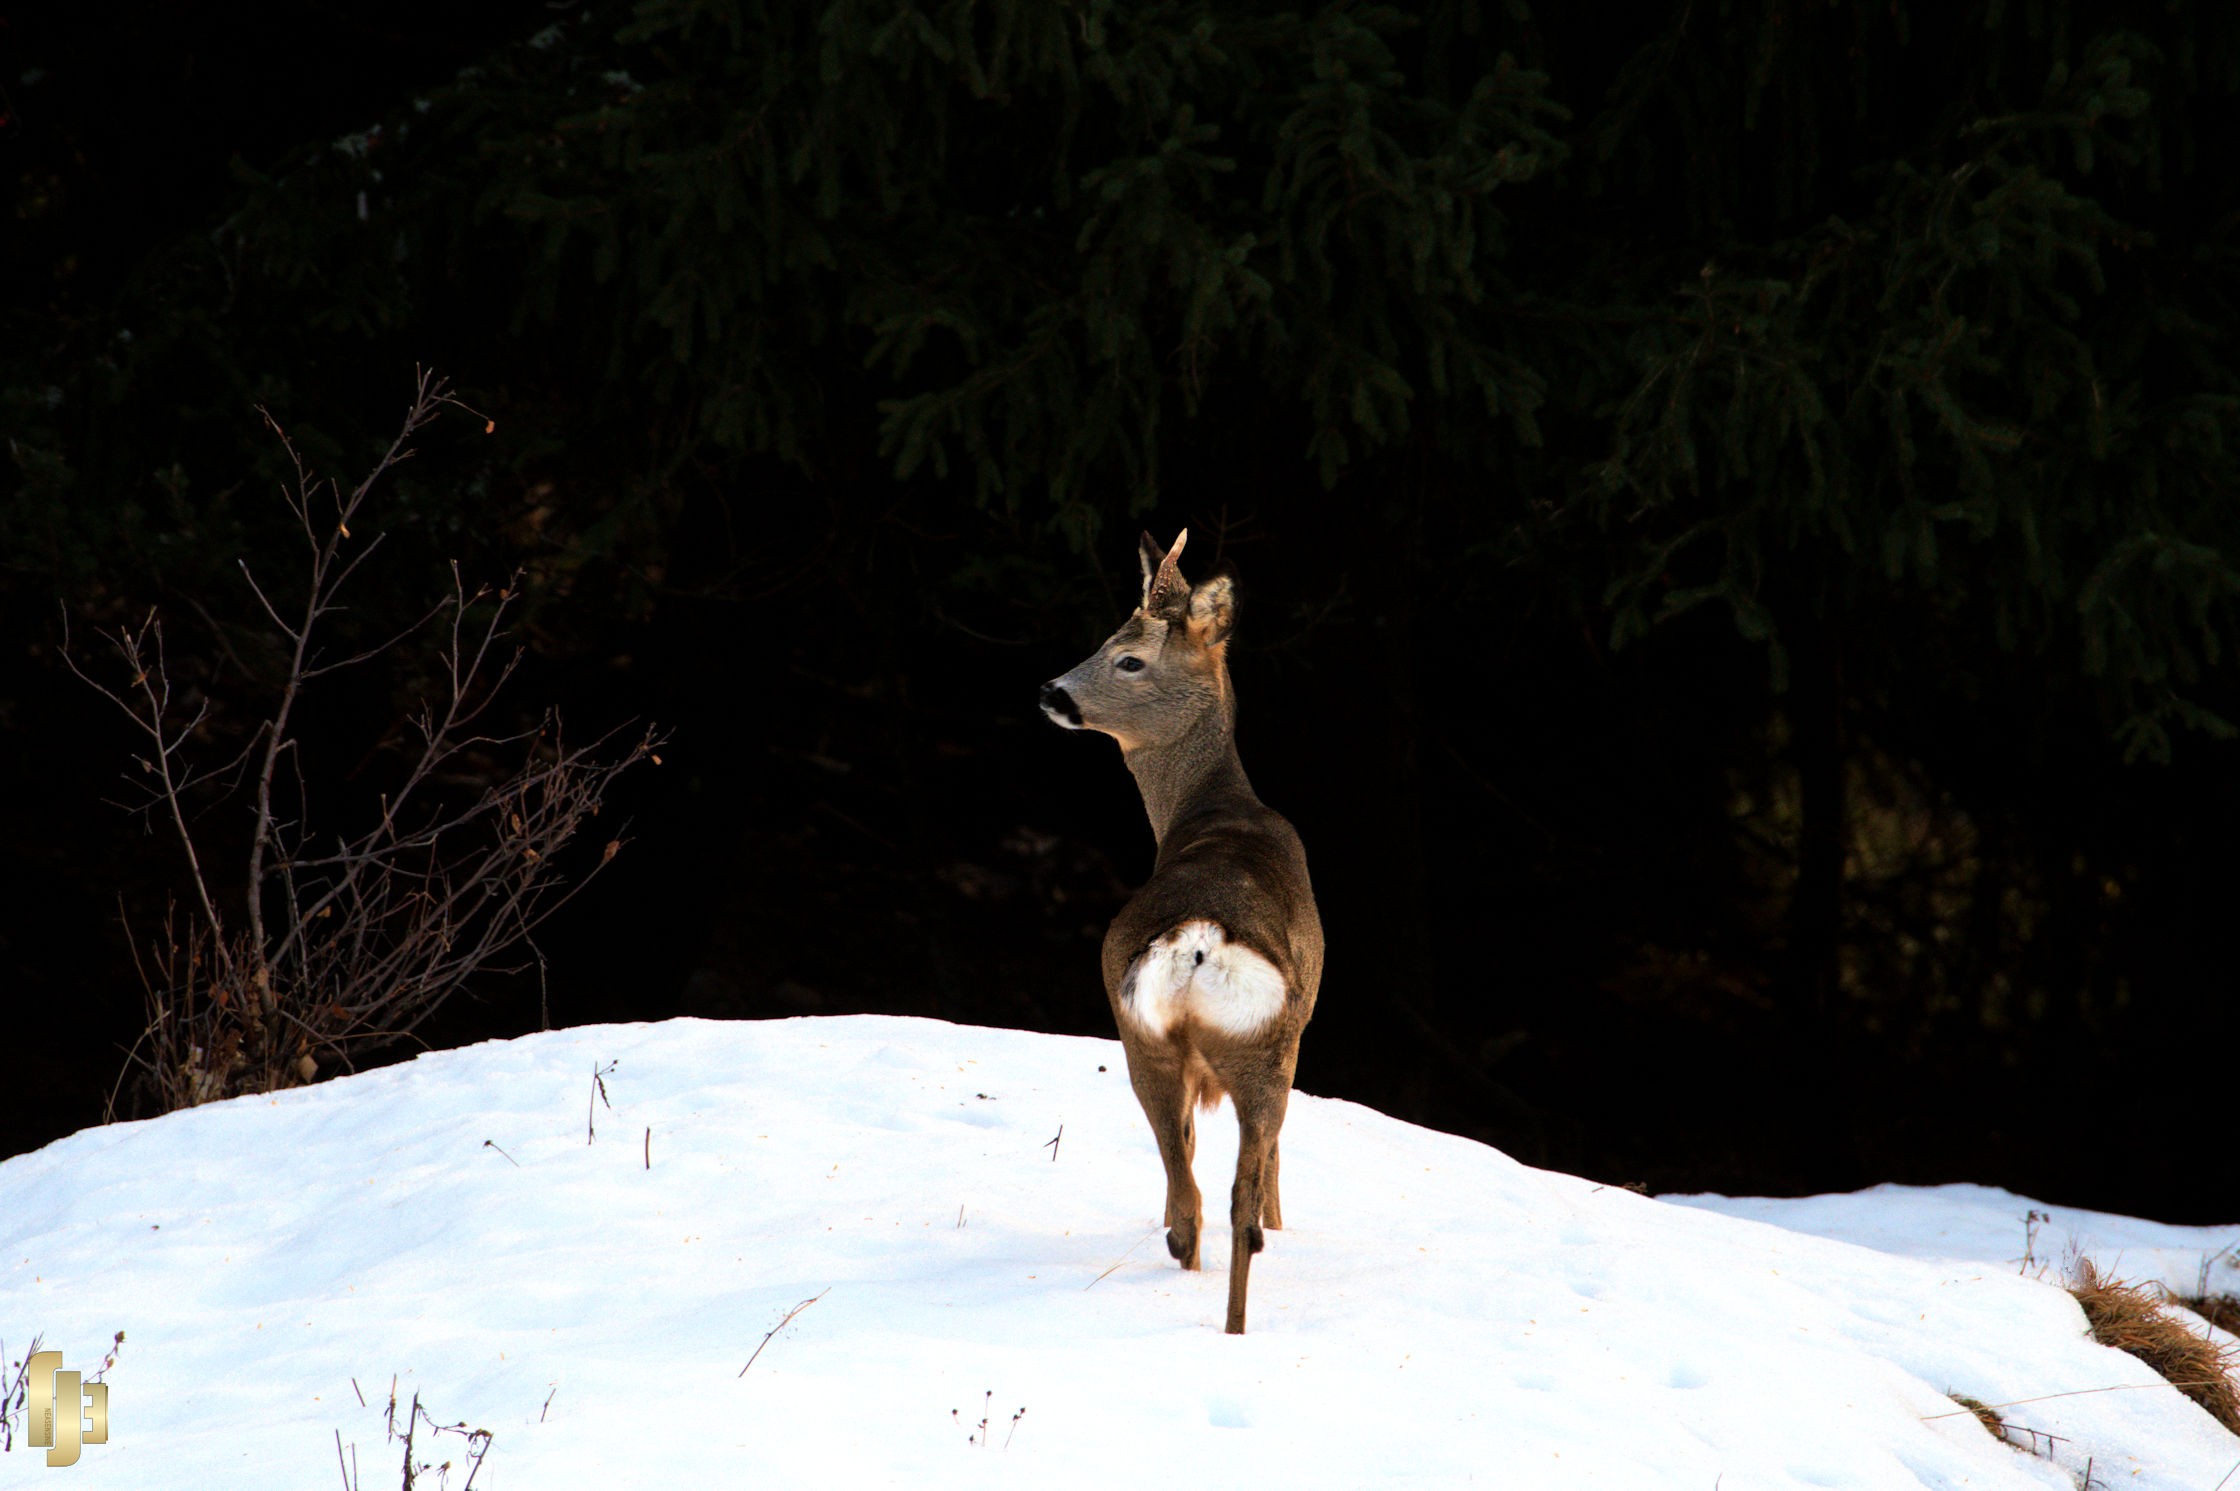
(1182, 1243)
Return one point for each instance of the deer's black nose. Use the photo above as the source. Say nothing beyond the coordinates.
(1059, 705)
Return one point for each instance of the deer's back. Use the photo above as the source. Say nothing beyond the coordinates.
(1224, 936)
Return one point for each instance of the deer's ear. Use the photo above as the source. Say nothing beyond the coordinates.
(1213, 611)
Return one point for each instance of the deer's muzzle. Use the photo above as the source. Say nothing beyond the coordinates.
(1059, 705)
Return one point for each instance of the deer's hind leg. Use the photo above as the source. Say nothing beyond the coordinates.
(1271, 1204)
(1259, 1119)
(1163, 1088)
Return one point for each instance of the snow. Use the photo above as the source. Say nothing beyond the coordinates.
(1985, 1225)
(1434, 1312)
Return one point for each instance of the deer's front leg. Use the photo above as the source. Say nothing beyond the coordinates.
(1166, 1102)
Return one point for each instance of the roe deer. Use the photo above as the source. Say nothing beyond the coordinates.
(1212, 967)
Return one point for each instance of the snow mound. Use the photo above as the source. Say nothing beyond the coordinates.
(1433, 1313)
(1985, 1225)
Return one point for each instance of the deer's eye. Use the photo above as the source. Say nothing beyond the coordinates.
(1129, 665)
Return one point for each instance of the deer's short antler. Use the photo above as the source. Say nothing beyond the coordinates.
(1164, 589)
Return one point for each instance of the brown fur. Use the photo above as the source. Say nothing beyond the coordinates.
(1224, 857)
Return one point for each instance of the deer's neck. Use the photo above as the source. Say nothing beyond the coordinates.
(1177, 774)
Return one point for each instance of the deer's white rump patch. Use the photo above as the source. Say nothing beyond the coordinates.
(1196, 970)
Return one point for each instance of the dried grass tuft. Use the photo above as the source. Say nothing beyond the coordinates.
(2126, 1317)
(1985, 1415)
(2220, 1310)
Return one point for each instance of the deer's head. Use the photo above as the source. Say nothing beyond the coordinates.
(1164, 668)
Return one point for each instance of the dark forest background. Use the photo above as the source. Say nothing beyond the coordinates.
(1733, 504)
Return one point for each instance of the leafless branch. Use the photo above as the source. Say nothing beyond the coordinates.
(782, 1324)
(349, 940)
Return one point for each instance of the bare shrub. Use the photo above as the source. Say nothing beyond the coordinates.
(15, 1385)
(334, 943)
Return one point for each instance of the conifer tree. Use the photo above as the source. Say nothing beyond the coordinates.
(1748, 391)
